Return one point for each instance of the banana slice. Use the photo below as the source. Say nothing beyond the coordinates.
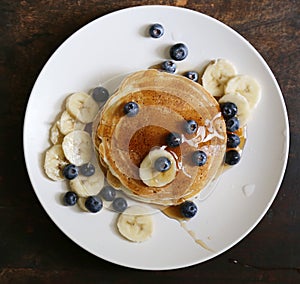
(81, 203)
(56, 137)
(242, 104)
(82, 106)
(86, 186)
(67, 123)
(135, 225)
(247, 86)
(54, 162)
(150, 176)
(216, 75)
(77, 147)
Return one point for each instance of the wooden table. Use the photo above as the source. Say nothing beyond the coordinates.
(34, 250)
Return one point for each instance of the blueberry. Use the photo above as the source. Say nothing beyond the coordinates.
(173, 139)
(232, 157)
(188, 209)
(156, 30)
(119, 204)
(190, 126)
(228, 110)
(70, 198)
(199, 158)
(131, 109)
(168, 66)
(162, 164)
(232, 124)
(178, 51)
(70, 171)
(100, 94)
(93, 204)
(108, 193)
(192, 75)
(87, 169)
(233, 140)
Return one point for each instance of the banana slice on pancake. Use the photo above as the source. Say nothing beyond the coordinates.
(246, 86)
(55, 161)
(216, 75)
(135, 225)
(77, 147)
(82, 106)
(150, 175)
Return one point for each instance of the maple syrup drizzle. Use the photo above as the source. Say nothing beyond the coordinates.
(173, 212)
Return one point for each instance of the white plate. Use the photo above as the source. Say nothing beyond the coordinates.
(116, 44)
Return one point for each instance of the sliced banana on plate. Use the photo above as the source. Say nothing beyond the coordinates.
(55, 161)
(77, 147)
(242, 104)
(86, 186)
(246, 86)
(82, 106)
(81, 203)
(56, 137)
(150, 175)
(67, 123)
(134, 225)
(216, 75)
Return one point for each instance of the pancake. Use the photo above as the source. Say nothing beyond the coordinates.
(166, 101)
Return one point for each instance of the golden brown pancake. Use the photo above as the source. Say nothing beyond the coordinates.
(165, 102)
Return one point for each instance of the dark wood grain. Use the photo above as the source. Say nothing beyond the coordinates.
(34, 250)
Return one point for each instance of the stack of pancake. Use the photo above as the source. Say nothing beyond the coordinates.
(166, 101)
